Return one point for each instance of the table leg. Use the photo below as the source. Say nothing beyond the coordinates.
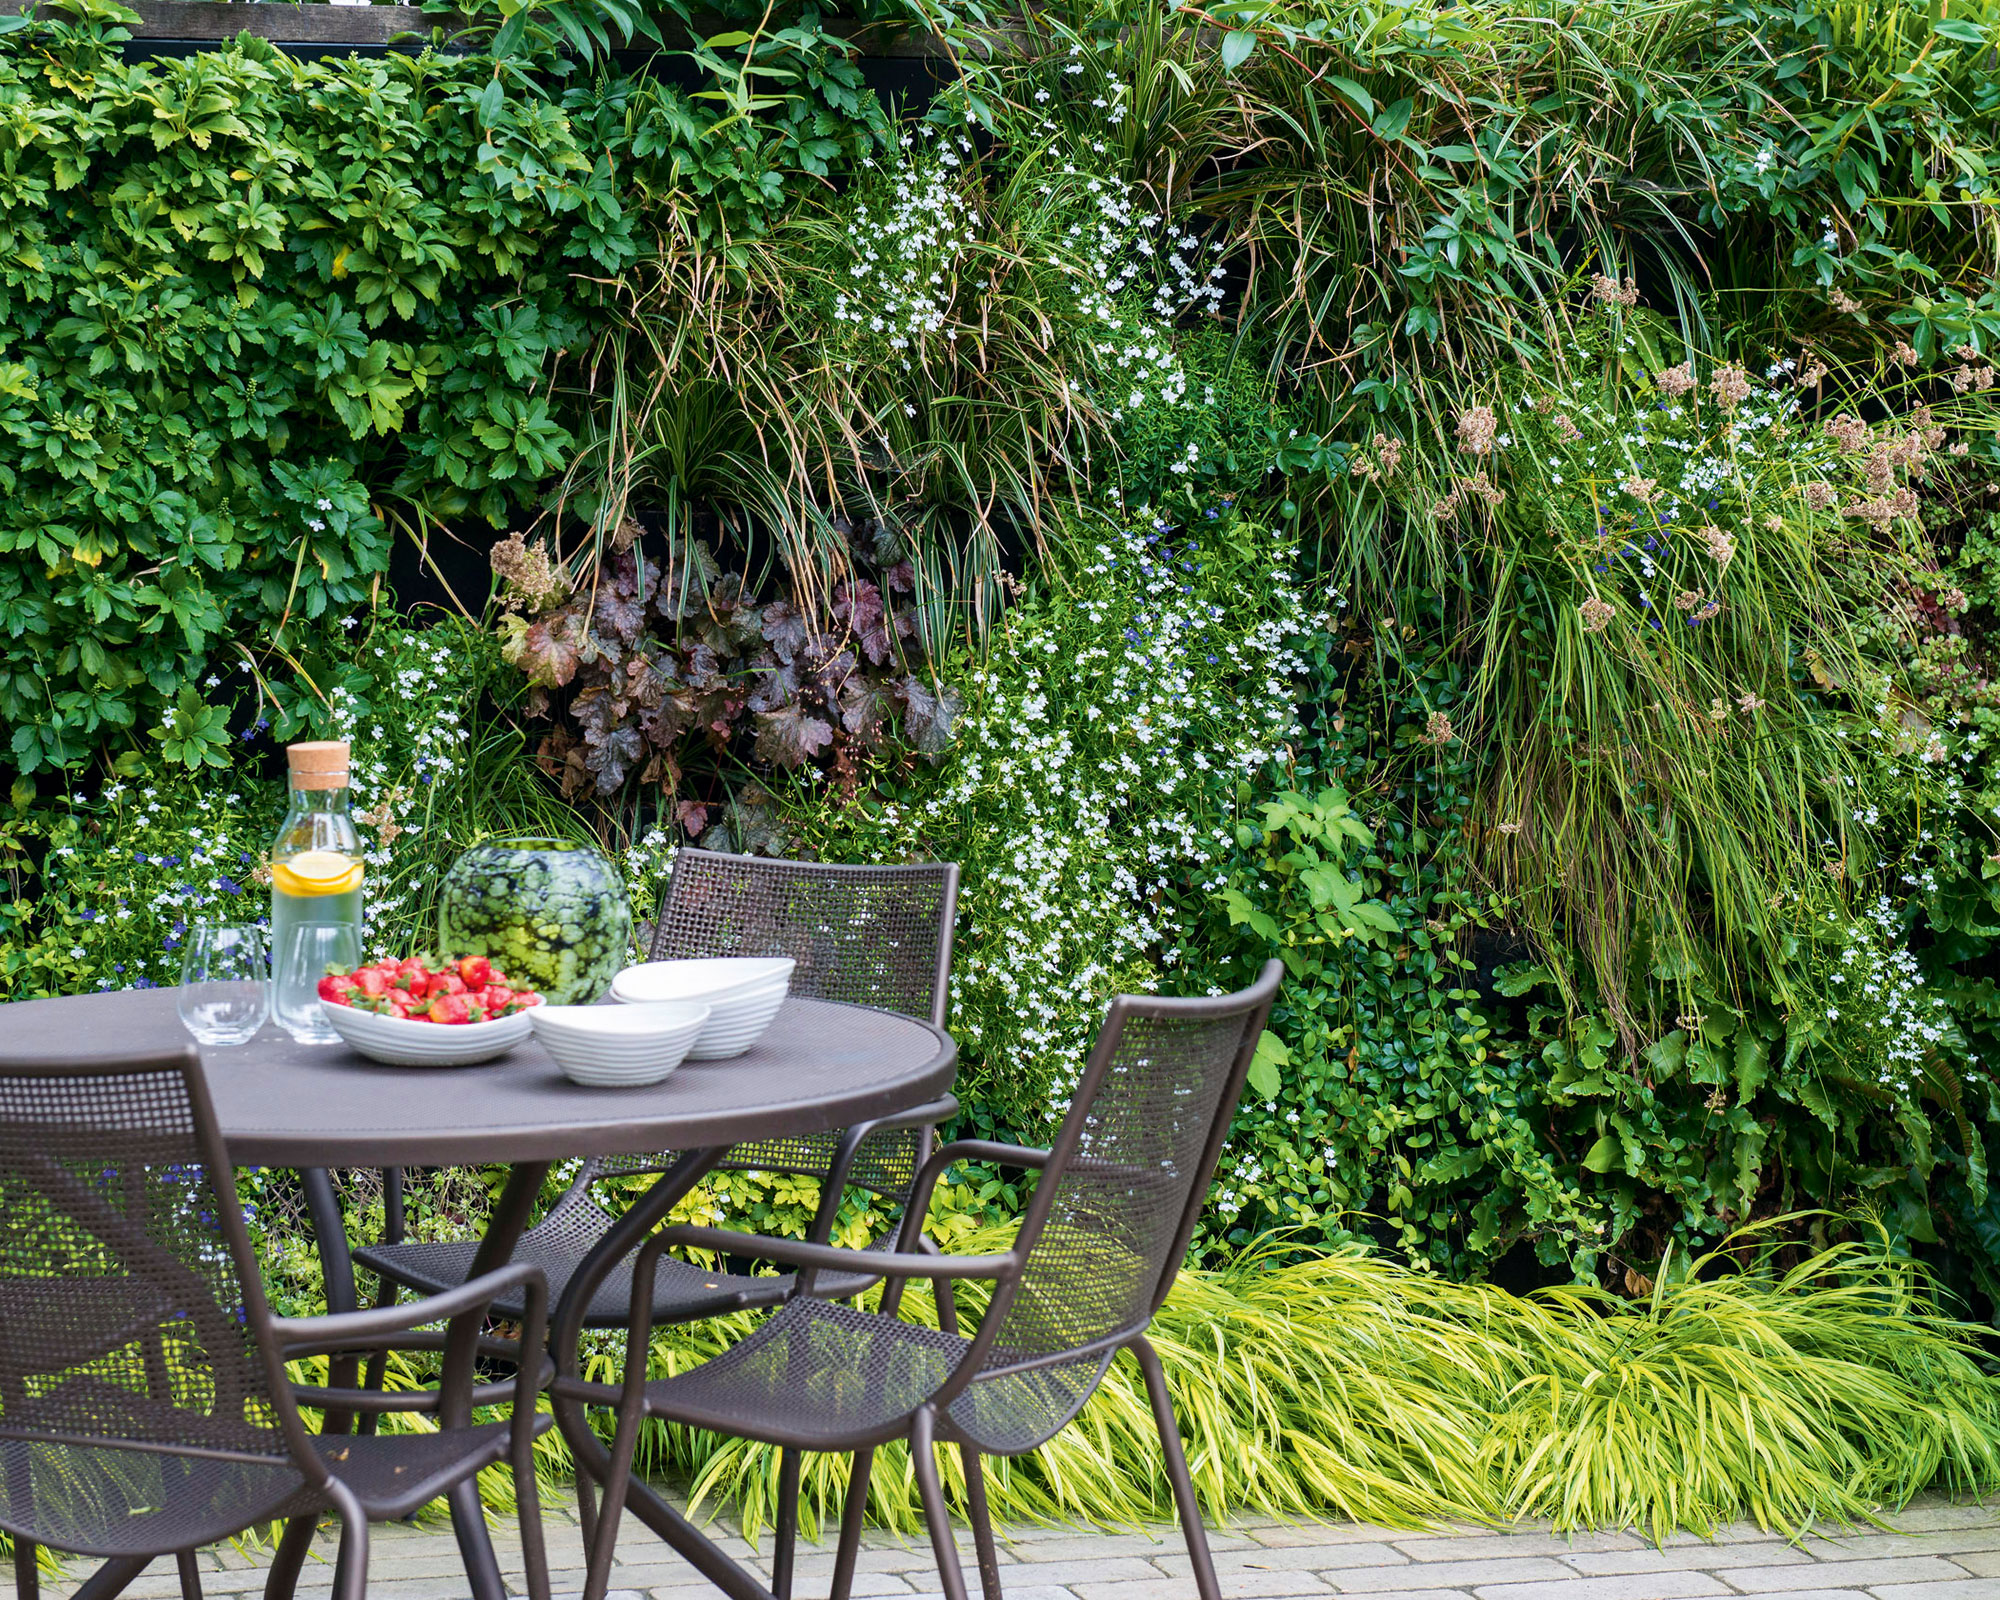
(565, 1336)
(461, 1348)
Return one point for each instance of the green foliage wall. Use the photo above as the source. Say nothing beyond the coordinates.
(260, 316)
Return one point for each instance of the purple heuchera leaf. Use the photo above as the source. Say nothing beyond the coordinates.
(791, 736)
(785, 628)
(929, 717)
(548, 651)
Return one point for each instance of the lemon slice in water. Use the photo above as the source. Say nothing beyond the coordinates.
(311, 873)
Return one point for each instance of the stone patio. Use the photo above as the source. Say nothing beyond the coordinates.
(1940, 1551)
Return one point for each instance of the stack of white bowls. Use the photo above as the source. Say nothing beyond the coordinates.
(742, 994)
(399, 1042)
(613, 1047)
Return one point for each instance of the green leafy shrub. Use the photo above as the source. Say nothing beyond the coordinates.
(257, 313)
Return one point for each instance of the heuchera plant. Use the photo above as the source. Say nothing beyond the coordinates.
(652, 665)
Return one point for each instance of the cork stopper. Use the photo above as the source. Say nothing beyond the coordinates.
(318, 763)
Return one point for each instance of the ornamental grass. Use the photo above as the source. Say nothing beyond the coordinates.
(1743, 1385)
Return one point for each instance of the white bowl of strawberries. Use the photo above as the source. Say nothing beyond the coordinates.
(424, 1013)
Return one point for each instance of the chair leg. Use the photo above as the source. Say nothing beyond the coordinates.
(27, 1570)
(604, 1543)
(528, 1505)
(982, 1523)
(586, 1506)
(190, 1570)
(1177, 1470)
(923, 1457)
(853, 1512)
(350, 1568)
(289, 1560)
(475, 1547)
(785, 1535)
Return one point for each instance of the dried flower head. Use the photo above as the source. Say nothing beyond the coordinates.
(1903, 354)
(1718, 544)
(1730, 386)
(1818, 493)
(1749, 701)
(1606, 290)
(1841, 301)
(1712, 609)
(1643, 490)
(1437, 729)
(1675, 381)
(530, 578)
(1718, 710)
(1597, 614)
(1849, 432)
(1687, 600)
(1566, 430)
(1812, 374)
(1477, 429)
(1773, 523)
(1510, 828)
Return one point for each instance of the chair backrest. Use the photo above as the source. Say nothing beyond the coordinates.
(873, 936)
(1128, 1173)
(131, 1316)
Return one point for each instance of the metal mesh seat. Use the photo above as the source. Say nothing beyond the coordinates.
(144, 1403)
(1120, 1192)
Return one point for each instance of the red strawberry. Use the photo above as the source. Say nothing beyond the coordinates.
(477, 971)
(448, 1008)
(372, 981)
(334, 989)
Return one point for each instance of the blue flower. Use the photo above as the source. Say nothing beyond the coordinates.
(170, 861)
(87, 914)
(1211, 661)
(228, 886)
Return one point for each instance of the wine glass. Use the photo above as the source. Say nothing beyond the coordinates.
(312, 950)
(225, 992)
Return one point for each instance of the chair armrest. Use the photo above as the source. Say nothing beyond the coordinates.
(1017, 1155)
(380, 1323)
(827, 1257)
(1011, 1155)
(937, 1111)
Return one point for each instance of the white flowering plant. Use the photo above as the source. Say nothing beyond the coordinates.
(1088, 792)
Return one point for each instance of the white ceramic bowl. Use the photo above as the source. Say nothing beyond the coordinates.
(399, 1042)
(742, 994)
(614, 1046)
(705, 979)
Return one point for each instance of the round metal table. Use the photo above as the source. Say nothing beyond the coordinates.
(821, 1065)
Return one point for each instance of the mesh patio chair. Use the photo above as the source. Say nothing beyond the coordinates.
(875, 936)
(144, 1404)
(1096, 1253)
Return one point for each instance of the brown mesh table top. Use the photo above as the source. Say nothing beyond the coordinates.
(283, 1104)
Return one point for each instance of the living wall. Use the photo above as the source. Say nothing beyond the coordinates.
(1494, 504)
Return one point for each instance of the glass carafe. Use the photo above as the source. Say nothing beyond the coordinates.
(316, 865)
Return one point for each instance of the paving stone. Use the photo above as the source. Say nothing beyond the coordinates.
(1864, 1545)
(1062, 1574)
(1238, 1586)
(1446, 1574)
(1089, 1546)
(1022, 1591)
(1485, 1542)
(1840, 1574)
(1627, 1586)
(1956, 1589)
(1299, 1558)
(1985, 1563)
(1688, 1558)
(1286, 1535)
(1927, 1515)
